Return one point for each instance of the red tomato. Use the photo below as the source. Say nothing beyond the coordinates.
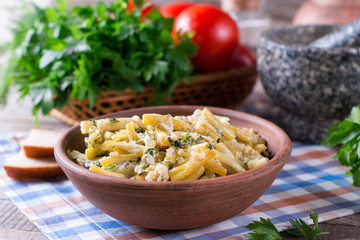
(145, 11)
(243, 57)
(173, 9)
(216, 34)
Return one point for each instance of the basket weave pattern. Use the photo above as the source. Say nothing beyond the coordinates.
(222, 89)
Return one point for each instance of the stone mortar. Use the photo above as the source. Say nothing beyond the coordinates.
(310, 84)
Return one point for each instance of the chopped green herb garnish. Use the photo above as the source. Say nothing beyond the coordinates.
(111, 167)
(151, 151)
(86, 144)
(97, 163)
(139, 130)
(126, 164)
(210, 146)
(113, 120)
(95, 142)
(208, 135)
(103, 154)
(187, 136)
(137, 161)
(174, 143)
(163, 163)
(186, 139)
(199, 140)
(218, 140)
(220, 132)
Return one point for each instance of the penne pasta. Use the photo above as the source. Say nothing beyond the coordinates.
(229, 161)
(166, 148)
(97, 169)
(196, 175)
(228, 133)
(130, 130)
(215, 166)
(108, 161)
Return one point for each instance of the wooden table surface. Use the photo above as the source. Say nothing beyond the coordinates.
(17, 117)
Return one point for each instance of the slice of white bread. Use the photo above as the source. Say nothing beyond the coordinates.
(40, 143)
(22, 168)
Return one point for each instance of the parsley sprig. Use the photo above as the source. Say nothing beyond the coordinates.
(265, 229)
(347, 134)
(61, 52)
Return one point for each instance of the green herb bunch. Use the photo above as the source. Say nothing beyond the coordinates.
(265, 229)
(61, 52)
(347, 134)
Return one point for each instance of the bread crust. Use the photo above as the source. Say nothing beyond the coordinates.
(24, 173)
(38, 151)
(40, 143)
(22, 168)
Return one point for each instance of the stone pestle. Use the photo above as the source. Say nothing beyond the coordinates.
(344, 36)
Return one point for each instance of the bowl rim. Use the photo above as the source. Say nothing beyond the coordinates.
(265, 38)
(279, 159)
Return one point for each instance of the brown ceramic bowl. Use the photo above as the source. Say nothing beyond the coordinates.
(177, 205)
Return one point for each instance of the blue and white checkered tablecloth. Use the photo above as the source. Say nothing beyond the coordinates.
(309, 180)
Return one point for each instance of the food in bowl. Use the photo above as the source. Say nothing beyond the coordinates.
(177, 205)
(166, 148)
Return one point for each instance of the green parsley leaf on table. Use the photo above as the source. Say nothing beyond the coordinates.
(61, 52)
(304, 229)
(265, 229)
(347, 134)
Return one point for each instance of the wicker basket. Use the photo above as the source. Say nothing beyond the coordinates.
(221, 89)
